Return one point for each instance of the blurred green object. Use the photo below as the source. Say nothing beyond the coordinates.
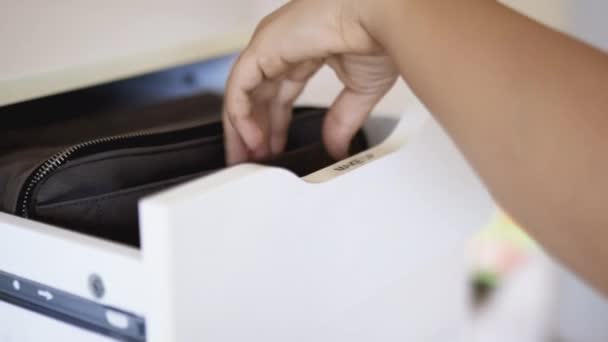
(484, 283)
(503, 229)
(498, 251)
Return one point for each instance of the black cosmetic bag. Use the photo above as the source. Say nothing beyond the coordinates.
(87, 172)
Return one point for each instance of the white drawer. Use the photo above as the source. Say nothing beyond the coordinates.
(358, 251)
(350, 253)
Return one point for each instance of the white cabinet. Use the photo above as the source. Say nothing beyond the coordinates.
(368, 249)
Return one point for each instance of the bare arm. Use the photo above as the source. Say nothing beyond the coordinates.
(528, 106)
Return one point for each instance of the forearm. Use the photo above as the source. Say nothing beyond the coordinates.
(526, 105)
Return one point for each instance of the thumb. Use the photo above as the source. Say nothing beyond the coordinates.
(345, 117)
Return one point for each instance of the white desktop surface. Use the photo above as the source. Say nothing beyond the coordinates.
(55, 46)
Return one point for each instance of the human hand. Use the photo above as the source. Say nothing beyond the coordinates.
(286, 50)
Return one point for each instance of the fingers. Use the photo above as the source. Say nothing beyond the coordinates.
(345, 117)
(281, 106)
(242, 133)
(288, 47)
(247, 104)
(262, 98)
(236, 150)
(280, 114)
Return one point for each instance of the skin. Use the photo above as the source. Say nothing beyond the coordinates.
(525, 104)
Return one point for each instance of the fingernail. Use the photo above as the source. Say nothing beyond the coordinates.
(252, 135)
(276, 146)
(338, 152)
(261, 153)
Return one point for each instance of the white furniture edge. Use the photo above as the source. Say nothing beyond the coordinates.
(64, 260)
(59, 81)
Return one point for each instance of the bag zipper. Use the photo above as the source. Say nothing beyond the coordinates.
(137, 139)
(116, 142)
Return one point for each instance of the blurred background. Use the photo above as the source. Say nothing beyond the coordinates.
(517, 291)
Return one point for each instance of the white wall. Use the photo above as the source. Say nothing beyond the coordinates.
(588, 20)
(550, 12)
(585, 19)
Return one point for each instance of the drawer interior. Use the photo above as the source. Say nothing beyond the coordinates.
(178, 90)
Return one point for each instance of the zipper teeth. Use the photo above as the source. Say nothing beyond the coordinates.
(58, 159)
